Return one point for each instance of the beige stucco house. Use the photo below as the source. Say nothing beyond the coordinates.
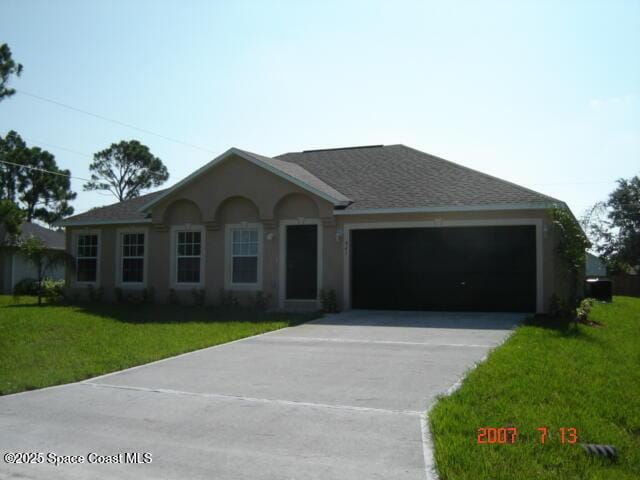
(385, 227)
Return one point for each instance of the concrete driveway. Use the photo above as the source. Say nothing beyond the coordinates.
(338, 398)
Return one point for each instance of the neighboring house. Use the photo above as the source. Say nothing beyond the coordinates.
(14, 267)
(386, 227)
(595, 267)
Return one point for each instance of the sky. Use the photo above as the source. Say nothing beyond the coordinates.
(545, 94)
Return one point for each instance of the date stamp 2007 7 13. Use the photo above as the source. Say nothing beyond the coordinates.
(509, 435)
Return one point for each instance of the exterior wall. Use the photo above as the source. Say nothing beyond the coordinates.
(14, 268)
(24, 269)
(243, 192)
(237, 191)
(5, 271)
(559, 282)
(236, 177)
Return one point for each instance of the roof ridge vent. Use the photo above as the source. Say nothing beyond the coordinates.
(342, 148)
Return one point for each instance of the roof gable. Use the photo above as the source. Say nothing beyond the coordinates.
(373, 179)
(296, 174)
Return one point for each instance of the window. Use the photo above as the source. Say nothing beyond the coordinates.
(244, 256)
(132, 258)
(87, 258)
(188, 256)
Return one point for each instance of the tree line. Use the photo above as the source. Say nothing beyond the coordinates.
(613, 227)
(34, 188)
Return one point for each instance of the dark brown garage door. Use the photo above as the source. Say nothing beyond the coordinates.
(452, 268)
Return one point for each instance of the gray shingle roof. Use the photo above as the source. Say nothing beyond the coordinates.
(121, 212)
(396, 176)
(50, 238)
(296, 171)
(366, 178)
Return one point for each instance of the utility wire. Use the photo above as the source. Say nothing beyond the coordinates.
(111, 120)
(108, 195)
(60, 174)
(67, 149)
(51, 145)
(181, 142)
(175, 140)
(86, 180)
(31, 167)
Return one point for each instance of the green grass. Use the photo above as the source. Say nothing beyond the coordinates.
(50, 345)
(587, 378)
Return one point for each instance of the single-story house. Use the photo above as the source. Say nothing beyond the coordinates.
(384, 227)
(14, 267)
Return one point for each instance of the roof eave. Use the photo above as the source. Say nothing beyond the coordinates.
(89, 223)
(450, 208)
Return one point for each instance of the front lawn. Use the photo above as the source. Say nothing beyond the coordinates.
(587, 379)
(49, 345)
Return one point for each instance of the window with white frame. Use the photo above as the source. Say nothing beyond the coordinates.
(87, 258)
(244, 256)
(132, 255)
(188, 255)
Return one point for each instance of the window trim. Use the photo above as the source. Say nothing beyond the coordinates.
(119, 258)
(74, 246)
(174, 256)
(228, 257)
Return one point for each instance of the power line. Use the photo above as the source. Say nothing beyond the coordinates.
(114, 121)
(51, 145)
(31, 167)
(86, 180)
(60, 174)
(106, 194)
(181, 142)
(84, 154)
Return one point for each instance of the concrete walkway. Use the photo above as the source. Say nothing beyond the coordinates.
(342, 397)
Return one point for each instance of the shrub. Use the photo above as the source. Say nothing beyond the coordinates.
(134, 298)
(261, 301)
(148, 295)
(583, 310)
(138, 297)
(329, 301)
(173, 297)
(119, 295)
(52, 290)
(560, 309)
(26, 286)
(227, 300)
(94, 294)
(198, 296)
(571, 249)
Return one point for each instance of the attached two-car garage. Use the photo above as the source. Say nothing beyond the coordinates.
(488, 268)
